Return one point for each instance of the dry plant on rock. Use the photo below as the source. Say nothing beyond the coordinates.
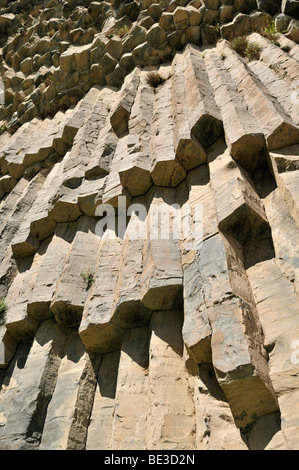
(250, 51)
(154, 79)
(240, 44)
(253, 51)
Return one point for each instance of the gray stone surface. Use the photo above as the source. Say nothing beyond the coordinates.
(173, 325)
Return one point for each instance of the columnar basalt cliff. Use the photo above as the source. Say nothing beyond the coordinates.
(116, 341)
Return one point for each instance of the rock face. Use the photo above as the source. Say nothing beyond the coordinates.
(149, 226)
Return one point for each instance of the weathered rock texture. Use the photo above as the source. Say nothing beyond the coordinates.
(188, 339)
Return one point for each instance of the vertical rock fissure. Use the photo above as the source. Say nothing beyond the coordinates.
(84, 403)
(47, 387)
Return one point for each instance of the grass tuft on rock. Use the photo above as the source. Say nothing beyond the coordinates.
(154, 79)
(250, 51)
(3, 309)
(88, 276)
